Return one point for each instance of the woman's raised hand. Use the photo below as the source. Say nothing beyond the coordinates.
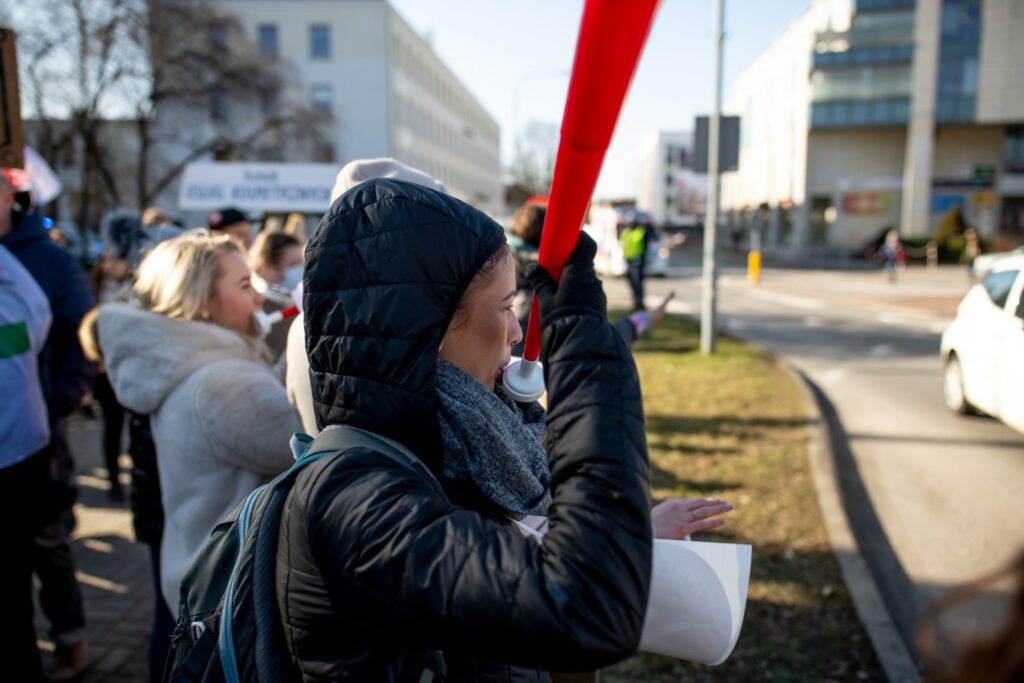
(580, 287)
(677, 518)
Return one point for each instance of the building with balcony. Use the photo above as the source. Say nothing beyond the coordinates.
(869, 114)
(383, 86)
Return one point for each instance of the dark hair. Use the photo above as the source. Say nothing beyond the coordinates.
(528, 223)
(270, 247)
(997, 657)
(484, 275)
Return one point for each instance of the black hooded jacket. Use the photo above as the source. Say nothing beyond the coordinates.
(378, 575)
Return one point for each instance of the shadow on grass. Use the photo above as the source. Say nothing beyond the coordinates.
(719, 424)
(664, 479)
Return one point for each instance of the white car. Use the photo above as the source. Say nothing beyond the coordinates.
(983, 348)
(982, 265)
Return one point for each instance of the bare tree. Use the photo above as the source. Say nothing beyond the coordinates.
(533, 162)
(133, 90)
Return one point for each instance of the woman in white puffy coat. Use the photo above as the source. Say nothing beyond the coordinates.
(186, 355)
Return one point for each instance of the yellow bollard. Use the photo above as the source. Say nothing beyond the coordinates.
(754, 267)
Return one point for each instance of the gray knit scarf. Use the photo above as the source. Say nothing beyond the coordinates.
(494, 442)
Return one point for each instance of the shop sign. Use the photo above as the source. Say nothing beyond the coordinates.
(985, 173)
(305, 188)
(942, 203)
(984, 199)
(866, 202)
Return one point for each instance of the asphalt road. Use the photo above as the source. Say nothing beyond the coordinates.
(934, 499)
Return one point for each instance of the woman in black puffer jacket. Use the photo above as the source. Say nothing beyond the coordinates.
(380, 577)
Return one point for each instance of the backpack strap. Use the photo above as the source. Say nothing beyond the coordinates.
(340, 438)
(333, 440)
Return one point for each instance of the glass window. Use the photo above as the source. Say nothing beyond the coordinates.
(270, 102)
(323, 98)
(267, 36)
(220, 106)
(1013, 150)
(969, 77)
(961, 18)
(998, 286)
(320, 41)
(219, 37)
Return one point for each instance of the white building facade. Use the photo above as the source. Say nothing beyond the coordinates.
(384, 87)
(871, 114)
(669, 189)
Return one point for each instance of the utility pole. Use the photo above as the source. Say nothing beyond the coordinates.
(709, 302)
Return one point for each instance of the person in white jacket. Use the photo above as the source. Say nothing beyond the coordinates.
(188, 357)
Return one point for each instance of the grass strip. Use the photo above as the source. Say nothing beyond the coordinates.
(734, 426)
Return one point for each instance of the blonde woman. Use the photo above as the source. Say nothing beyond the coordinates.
(186, 355)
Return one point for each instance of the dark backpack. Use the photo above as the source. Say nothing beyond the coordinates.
(229, 628)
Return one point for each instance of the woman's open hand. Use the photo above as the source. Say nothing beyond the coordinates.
(676, 518)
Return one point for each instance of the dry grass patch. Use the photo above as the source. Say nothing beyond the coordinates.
(734, 426)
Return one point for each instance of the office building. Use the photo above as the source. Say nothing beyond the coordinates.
(869, 114)
(669, 189)
(383, 86)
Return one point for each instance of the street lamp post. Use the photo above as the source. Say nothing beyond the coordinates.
(709, 303)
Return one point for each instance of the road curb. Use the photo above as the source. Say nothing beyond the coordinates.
(885, 637)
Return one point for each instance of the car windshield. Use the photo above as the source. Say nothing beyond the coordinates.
(999, 284)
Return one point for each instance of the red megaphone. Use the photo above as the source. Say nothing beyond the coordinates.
(612, 36)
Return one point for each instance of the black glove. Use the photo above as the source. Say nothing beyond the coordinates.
(580, 288)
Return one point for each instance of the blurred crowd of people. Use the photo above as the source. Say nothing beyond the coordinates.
(216, 344)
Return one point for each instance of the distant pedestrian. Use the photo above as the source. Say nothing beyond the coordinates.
(636, 237)
(112, 282)
(276, 260)
(66, 378)
(154, 216)
(24, 459)
(234, 224)
(187, 356)
(295, 226)
(893, 253)
(525, 230)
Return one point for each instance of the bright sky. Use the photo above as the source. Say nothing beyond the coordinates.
(515, 57)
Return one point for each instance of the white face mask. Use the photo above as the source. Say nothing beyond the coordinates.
(292, 277)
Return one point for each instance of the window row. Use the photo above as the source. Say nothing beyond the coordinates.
(427, 72)
(866, 5)
(854, 114)
(464, 142)
(881, 54)
(268, 41)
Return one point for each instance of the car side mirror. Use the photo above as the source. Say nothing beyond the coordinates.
(1020, 308)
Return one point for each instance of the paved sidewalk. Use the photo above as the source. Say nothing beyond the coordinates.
(113, 571)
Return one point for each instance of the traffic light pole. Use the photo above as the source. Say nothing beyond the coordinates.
(709, 303)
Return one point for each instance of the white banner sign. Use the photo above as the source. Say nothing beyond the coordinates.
(305, 188)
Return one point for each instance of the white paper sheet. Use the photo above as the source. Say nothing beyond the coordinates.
(698, 596)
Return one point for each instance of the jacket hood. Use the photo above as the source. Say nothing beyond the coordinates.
(25, 229)
(384, 274)
(148, 355)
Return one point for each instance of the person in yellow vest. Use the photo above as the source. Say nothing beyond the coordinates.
(634, 239)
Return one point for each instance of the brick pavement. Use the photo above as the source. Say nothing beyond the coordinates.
(113, 571)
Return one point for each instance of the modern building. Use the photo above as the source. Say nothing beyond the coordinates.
(385, 88)
(669, 189)
(868, 114)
